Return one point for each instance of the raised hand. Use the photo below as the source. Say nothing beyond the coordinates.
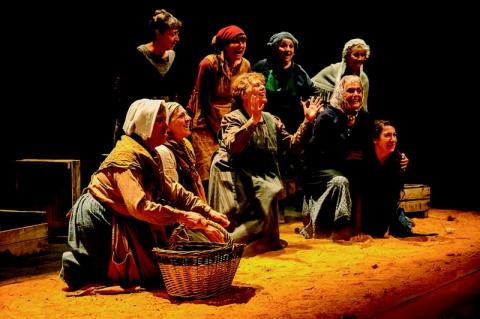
(256, 107)
(312, 107)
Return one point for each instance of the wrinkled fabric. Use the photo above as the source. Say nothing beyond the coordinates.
(88, 259)
(211, 99)
(245, 177)
(256, 183)
(322, 212)
(128, 184)
(141, 117)
(328, 77)
(182, 166)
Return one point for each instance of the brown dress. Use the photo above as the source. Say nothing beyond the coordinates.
(210, 101)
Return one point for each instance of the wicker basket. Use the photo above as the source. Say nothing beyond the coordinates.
(199, 269)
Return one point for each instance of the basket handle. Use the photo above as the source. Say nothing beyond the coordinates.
(179, 233)
(226, 234)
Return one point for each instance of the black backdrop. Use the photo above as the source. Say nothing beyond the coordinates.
(61, 59)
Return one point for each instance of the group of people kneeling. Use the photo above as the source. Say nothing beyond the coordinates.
(148, 184)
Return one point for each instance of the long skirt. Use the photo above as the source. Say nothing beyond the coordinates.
(322, 210)
(92, 246)
(250, 201)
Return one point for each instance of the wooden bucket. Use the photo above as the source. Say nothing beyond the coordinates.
(416, 199)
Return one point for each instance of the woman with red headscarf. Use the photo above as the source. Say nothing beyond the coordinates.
(211, 97)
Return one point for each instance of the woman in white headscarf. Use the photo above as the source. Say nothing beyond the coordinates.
(126, 209)
(354, 54)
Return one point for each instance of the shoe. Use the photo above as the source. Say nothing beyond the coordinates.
(281, 244)
(306, 231)
(342, 234)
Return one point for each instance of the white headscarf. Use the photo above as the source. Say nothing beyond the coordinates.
(346, 49)
(141, 117)
(338, 97)
(353, 43)
(328, 78)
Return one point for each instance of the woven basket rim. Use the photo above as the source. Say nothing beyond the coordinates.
(199, 273)
(216, 247)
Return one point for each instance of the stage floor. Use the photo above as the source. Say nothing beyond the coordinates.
(419, 277)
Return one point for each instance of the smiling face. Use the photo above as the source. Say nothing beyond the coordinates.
(254, 93)
(386, 142)
(353, 95)
(235, 49)
(356, 58)
(179, 126)
(285, 51)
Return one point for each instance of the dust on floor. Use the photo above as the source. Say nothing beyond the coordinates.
(313, 278)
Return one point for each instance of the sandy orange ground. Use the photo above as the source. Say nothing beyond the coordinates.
(310, 279)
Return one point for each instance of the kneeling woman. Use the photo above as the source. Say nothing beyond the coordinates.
(126, 209)
(244, 175)
(383, 181)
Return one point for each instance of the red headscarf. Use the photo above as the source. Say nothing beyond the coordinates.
(225, 36)
(228, 33)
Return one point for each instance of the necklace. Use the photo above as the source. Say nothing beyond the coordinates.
(351, 119)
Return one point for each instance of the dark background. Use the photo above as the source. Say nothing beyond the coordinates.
(60, 59)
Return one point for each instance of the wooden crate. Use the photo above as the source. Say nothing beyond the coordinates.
(23, 232)
(416, 199)
(51, 185)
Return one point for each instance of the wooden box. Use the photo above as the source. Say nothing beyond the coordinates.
(23, 232)
(416, 199)
(51, 185)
